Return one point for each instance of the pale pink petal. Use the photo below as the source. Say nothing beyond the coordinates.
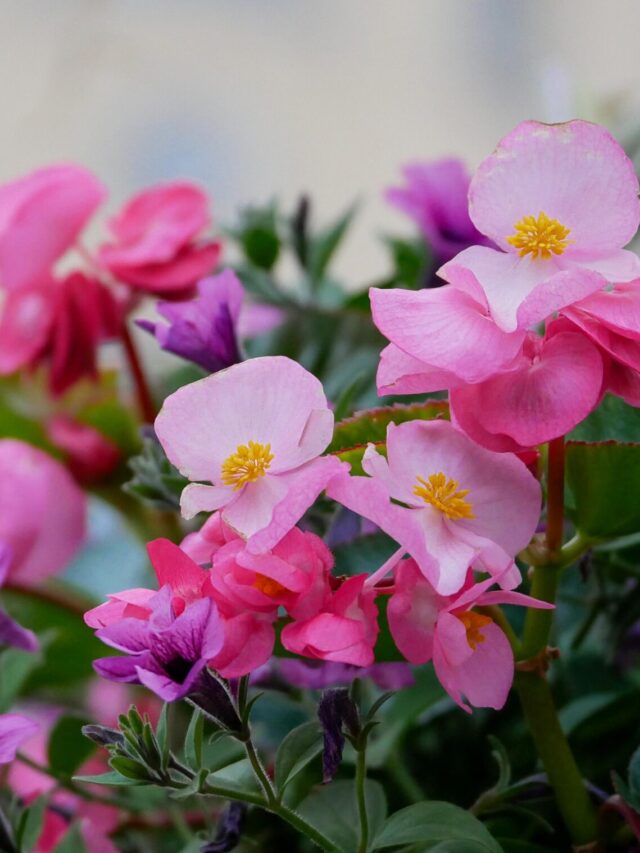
(540, 400)
(452, 638)
(574, 172)
(509, 597)
(412, 613)
(270, 400)
(399, 373)
(26, 318)
(617, 309)
(197, 498)
(253, 509)
(620, 266)
(129, 602)
(422, 324)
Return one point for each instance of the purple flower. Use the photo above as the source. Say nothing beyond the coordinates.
(166, 653)
(204, 329)
(435, 196)
(14, 730)
(12, 634)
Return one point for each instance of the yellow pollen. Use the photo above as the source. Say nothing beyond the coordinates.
(541, 237)
(473, 622)
(248, 463)
(444, 494)
(268, 586)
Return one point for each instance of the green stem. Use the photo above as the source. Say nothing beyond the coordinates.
(537, 626)
(361, 796)
(261, 774)
(554, 751)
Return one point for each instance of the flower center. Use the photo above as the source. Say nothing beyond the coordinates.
(473, 623)
(268, 586)
(541, 237)
(443, 493)
(248, 463)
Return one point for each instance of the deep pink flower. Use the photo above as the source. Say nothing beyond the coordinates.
(255, 432)
(345, 630)
(14, 730)
(561, 202)
(42, 512)
(471, 654)
(447, 501)
(156, 245)
(41, 215)
(89, 454)
(435, 196)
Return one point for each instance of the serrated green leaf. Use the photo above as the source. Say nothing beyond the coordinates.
(332, 809)
(371, 425)
(68, 749)
(436, 821)
(604, 478)
(298, 748)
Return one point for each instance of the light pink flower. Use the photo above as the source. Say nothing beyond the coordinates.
(471, 654)
(41, 215)
(202, 544)
(345, 630)
(255, 432)
(42, 512)
(156, 244)
(551, 386)
(446, 501)
(14, 730)
(561, 202)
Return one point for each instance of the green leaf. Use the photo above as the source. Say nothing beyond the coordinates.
(68, 749)
(604, 480)
(109, 778)
(193, 740)
(411, 260)
(364, 554)
(613, 420)
(129, 768)
(332, 809)
(15, 668)
(371, 425)
(30, 824)
(72, 842)
(155, 481)
(436, 821)
(323, 245)
(298, 748)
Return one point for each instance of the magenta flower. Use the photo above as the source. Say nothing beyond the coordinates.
(560, 201)
(15, 729)
(203, 330)
(255, 432)
(42, 512)
(345, 630)
(435, 197)
(156, 246)
(12, 634)
(166, 653)
(471, 654)
(41, 215)
(446, 501)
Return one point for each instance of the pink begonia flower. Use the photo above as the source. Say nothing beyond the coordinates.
(41, 215)
(461, 503)
(345, 630)
(15, 729)
(42, 512)
(435, 196)
(202, 544)
(155, 245)
(471, 654)
(553, 385)
(255, 432)
(560, 201)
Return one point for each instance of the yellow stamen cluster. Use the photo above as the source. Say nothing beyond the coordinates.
(248, 463)
(268, 586)
(473, 623)
(539, 237)
(444, 494)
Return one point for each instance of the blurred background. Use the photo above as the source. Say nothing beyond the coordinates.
(258, 98)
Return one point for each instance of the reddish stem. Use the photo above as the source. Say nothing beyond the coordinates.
(555, 496)
(145, 400)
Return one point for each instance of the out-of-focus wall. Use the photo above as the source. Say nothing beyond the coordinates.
(257, 97)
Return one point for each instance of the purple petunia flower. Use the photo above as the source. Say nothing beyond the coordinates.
(14, 730)
(12, 634)
(166, 653)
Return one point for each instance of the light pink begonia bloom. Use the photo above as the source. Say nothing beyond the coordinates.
(560, 201)
(41, 215)
(155, 239)
(461, 503)
(255, 432)
(345, 630)
(15, 729)
(42, 512)
(471, 654)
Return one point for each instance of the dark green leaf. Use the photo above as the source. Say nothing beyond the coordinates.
(332, 809)
(298, 748)
(193, 740)
(109, 778)
(73, 842)
(436, 821)
(30, 824)
(68, 749)
(613, 420)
